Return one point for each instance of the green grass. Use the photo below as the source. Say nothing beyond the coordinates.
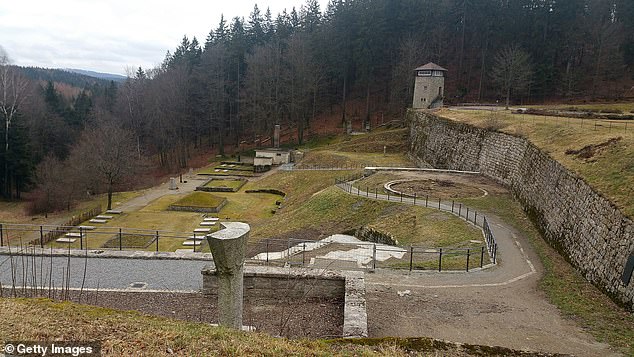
(610, 171)
(565, 287)
(200, 199)
(130, 241)
(334, 211)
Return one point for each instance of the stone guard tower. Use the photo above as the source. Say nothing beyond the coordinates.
(429, 88)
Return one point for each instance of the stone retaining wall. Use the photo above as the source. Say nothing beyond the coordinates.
(585, 227)
(368, 234)
(265, 282)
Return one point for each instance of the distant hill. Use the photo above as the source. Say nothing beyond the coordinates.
(63, 76)
(106, 76)
(72, 78)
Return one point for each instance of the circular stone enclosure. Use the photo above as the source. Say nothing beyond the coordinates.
(436, 188)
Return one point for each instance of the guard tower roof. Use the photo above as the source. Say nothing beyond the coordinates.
(430, 66)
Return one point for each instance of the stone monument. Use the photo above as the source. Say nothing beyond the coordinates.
(173, 184)
(228, 247)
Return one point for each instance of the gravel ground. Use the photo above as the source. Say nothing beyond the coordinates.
(304, 318)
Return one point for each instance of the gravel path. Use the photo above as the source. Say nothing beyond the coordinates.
(498, 306)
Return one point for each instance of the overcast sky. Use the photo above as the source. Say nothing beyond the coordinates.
(110, 35)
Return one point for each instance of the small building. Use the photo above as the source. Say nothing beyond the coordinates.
(262, 164)
(278, 157)
(429, 87)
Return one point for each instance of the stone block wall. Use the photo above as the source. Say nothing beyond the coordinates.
(585, 227)
(266, 282)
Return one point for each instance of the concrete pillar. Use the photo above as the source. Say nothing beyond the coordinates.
(228, 247)
(276, 136)
(173, 184)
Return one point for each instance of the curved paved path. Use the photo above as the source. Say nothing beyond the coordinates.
(500, 306)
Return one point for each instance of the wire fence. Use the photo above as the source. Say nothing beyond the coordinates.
(92, 237)
(456, 208)
(334, 254)
(331, 252)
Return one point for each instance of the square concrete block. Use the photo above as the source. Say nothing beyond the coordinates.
(207, 223)
(202, 230)
(96, 220)
(65, 240)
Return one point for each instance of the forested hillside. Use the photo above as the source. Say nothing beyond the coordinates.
(291, 68)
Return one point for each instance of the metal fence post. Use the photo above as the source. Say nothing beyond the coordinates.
(411, 257)
(401, 196)
(41, 237)
(120, 240)
(475, 217)
(414, 198)
(267, 251)
(81, 239)
(194, 242)
(438, 203)
(440, 260)
(468, 255)
(467, 216)
(481, 256)
(304, 254)
(1, 235)
(388, 195)
(374, 256)
(452, 204)
(460, 210)
(367, 191)
(376, 193)
(157, 242)
(426, 200)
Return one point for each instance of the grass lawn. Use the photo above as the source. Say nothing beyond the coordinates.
(334, 211)
(610, 170)
(126, 333)
(128, 241)
(359, 150)
(595, 107)
(199, 199)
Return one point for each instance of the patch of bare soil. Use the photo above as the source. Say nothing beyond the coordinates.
(589, 151)
(438, 188)
(299, 318)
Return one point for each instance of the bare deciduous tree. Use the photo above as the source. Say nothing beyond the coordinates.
(512, 71)
(106, 155)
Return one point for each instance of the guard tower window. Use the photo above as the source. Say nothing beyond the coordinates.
(437, 73)
(424, 73)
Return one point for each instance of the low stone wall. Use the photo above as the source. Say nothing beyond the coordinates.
(199, 209)
(267, 190)
(205, 188)
(585, 227)
(265, 282)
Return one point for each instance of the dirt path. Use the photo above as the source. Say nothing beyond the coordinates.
(498, 306)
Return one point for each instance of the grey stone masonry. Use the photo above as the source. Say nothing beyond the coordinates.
(228, 247)
(585, 227)
(266, 282)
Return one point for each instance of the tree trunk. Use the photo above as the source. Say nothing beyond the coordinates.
(109, 196)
